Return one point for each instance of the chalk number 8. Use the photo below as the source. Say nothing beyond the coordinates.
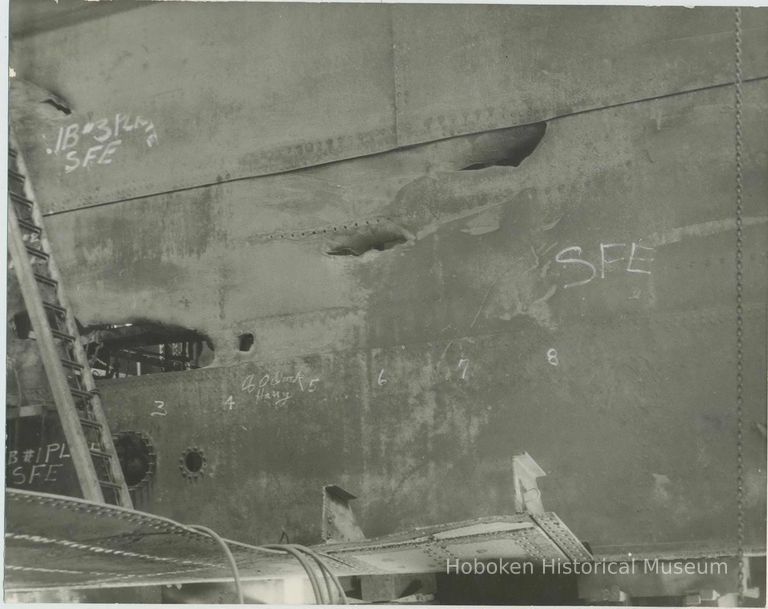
(552, 357)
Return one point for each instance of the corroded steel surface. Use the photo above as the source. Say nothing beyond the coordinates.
(236, 90)
(579, 306)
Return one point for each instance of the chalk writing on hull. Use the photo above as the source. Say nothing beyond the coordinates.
(277, 389)
(552, 357)
(84, 145)
(612, 257)
(381, 380)
(35, 465)
(463, 365)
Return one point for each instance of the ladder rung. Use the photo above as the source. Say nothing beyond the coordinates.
(62, 335)
(16, 175)
(55, 308)
(100, 453)
(46, 280)
(30, 226)
(37, 253)
(89, 423)
(79, 393)
(12, 152)
(84, 394)
(111, 485)
(70, 364)
(17, 198)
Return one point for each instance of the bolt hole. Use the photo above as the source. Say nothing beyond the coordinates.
(194, 461)
(245, 341)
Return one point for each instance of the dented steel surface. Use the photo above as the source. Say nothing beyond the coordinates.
(235, 91)
(422, 314)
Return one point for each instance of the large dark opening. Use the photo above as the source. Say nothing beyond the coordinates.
(137, 457)
(507, 154)
(139, 348)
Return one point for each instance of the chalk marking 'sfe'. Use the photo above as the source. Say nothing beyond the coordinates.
(637, 261)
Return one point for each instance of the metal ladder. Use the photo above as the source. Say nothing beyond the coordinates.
(66, 366)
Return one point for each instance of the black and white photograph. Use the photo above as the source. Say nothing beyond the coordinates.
(385, 303)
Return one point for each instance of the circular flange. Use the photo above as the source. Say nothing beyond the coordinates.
(192, 463)
(137, 458)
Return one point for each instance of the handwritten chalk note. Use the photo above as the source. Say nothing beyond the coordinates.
(459, 372)
(25, 467)
(463, 365)
(85, 145)
(381, 380)
(159, 409)
(277, 389)
(552, 357)
(612, 257)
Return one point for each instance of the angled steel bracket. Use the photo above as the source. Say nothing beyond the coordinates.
(525, 471)
(339, 522)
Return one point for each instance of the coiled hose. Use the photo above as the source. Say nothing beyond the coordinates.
(323, 591)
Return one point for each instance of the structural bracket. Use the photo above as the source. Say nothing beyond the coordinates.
(339, 522)
(525, 471)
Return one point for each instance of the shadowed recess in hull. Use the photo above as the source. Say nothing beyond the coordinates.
(506, 148)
